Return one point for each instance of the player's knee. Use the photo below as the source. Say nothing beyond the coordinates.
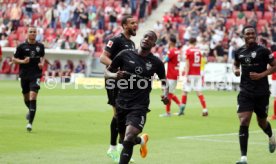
(130, 137)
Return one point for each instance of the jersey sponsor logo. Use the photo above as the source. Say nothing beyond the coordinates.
(32, 54)
(148, 65)
(247, 60)
(109, 44)
(37, 48)
(138, 70)
(27, 49)
(253, 54)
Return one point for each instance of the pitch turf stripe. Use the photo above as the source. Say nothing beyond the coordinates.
(214, 135)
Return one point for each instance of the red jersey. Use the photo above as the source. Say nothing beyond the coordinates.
(194, 56)
(173, 64)
(274, 74)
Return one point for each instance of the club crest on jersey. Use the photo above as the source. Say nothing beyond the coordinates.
(253, 54)
(148, 65)
(138, 70)
(37, 48)
(109, 44)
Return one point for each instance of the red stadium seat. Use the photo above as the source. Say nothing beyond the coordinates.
(229, 23)
(268, 16)
(240, 22)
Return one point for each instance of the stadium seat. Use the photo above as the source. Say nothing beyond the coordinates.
(240, 21)
(268, 16)
(229, 23)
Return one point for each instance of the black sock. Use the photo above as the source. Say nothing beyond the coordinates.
(32, 110)
(243, 136)
(268, 130)
(138, 140)
(27, 103)
(113, 131)
(126, 152)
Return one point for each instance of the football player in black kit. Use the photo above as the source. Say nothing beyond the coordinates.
(137, 68)
(112, 48)
(254, 88)
(30, 56)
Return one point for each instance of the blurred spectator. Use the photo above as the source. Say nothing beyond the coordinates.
(237, 4)
(1, 55)
(6, 66)
(68, 68)
(142, 12)
(54, 70)
(15, 15)
(28, 8)
(83, 14)
(80, 67)
(112, 18)
(64, 15)
(250, 5)
(133, 5)
(226, 8)
(52, 17)
(219, 53)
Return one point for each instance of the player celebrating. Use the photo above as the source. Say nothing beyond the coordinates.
(30, 56)
(193, 80)
(136, 67)
(254, 88)
(113, 47)
(172, 59)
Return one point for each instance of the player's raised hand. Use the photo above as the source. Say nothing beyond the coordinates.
(165, 99)
(255, 76)
(26, 60)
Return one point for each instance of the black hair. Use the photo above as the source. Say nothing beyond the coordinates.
(153, 34)
(124, 19)
(172, 38)
(246, 27)
(192, 40)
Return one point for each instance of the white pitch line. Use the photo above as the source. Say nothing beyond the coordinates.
(214, 135)
(223, 141)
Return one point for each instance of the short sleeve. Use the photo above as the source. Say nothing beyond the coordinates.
(117, 62)
(268, 55)
(17, 52)
(110, 45)
(42, 50)
(236, 56)
(160, 70)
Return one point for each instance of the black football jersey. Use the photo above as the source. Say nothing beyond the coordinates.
(135, 88)
(35, 52)
(253, 59)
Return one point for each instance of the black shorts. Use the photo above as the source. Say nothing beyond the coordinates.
(258, 104)
(134, 117)
(112, 91)
(30, 84)
(112, 96)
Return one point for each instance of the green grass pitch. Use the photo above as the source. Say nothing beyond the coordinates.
(72, 126)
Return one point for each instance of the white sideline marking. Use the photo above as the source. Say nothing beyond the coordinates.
(203, 138)
(214, 135)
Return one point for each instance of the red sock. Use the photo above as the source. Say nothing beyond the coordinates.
(202, 101)
(168, 106)
(274, 107)
(175, 99)
(184, 99)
